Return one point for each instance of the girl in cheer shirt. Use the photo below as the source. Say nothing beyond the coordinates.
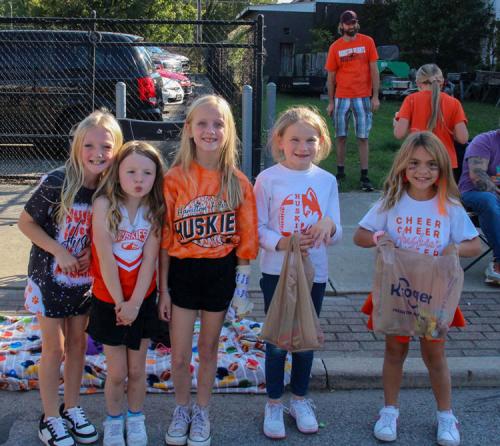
(420, 210)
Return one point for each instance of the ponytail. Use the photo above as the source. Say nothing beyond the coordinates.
(435, 109)
(431, 74)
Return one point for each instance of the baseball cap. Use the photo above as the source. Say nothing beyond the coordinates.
(348, 17)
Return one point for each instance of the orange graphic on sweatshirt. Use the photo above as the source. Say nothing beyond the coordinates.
(298, 212)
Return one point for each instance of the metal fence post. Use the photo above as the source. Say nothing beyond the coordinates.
(246, 131)
(270, 115)
(258, 94)
(121, 100)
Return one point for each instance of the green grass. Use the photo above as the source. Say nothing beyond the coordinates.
(482, 117)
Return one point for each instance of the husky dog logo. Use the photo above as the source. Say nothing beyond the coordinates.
(302, 210)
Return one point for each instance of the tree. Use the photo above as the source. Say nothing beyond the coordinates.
(447, 32)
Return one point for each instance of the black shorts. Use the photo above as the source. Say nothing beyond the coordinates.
(202, 284)
(102, 324)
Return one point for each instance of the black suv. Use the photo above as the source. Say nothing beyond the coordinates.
(47, 81)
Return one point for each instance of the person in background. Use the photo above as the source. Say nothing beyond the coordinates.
(353, 87)
(480, 189)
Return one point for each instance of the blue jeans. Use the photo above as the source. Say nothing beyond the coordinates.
(487, 206)
(275, 357)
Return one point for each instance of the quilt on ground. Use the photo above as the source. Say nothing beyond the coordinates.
(240, 367)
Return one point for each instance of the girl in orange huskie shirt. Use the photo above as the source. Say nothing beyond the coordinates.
(209, 237)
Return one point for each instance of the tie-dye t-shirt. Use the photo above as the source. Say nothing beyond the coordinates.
(49, 291)
(291, 201)
(199, 223)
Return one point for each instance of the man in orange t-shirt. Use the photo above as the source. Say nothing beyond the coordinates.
(353, 84)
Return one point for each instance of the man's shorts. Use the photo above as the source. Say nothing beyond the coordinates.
(361, 108)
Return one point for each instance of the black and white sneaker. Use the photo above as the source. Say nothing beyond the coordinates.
(366, 184)
(77, 423)
(53, 432)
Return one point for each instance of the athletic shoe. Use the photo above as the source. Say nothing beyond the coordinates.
(366, 184)
(274, 427)
(447, 431)
(81, 428)
(386, 427)
(177, 432)
(53, 432)
(199, 433)
(114, 432)
(303, 412)
(491, 274)
(136, 431)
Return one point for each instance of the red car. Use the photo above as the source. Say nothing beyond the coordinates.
(186, 84)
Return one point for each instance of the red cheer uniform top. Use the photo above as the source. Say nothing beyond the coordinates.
(128, 245)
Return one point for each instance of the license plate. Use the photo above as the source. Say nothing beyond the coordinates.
(178, 97)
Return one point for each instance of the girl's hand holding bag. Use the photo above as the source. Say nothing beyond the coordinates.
(291, 322)
(415, 294)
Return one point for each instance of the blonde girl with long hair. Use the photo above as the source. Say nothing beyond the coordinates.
(420, 210)
(57, 219)
(209, 238)
(431, 109)
(126, 229)
(295, 196)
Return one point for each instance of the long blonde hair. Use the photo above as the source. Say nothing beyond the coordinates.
(228, 152)
(310, 116)
(75, 173)
(396, 184)
(111, 189)
(431, 74)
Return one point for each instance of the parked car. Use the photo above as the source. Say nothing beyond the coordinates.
(173, 61)
(186, 84)
(46, 80)
(172, 92)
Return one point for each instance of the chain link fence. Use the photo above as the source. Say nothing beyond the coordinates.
(55, 71)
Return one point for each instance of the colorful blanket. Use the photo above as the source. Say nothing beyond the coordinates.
(240, 367)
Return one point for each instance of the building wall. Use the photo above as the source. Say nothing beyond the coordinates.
(275, 26)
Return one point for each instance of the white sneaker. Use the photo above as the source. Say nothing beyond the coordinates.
(78, 425)
(53, 432)
(386, 427)
(177, 432)
(136, 431)
(114, 430)
(199, 433)
(303, 412)
(274, 427)
(447, 431)
(491, 274)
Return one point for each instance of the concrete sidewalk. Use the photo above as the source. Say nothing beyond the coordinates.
(352, 356)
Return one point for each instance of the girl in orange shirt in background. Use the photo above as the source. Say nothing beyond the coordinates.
(435, 111)
(209, 237)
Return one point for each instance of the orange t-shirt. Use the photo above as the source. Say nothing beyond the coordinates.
(416, 108)
(351, 63)
(200, 224)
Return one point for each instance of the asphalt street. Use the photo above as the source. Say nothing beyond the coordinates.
(348, 418)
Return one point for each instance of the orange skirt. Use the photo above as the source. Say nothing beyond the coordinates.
(367, 308)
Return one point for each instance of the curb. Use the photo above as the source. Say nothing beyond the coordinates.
(366, 373)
